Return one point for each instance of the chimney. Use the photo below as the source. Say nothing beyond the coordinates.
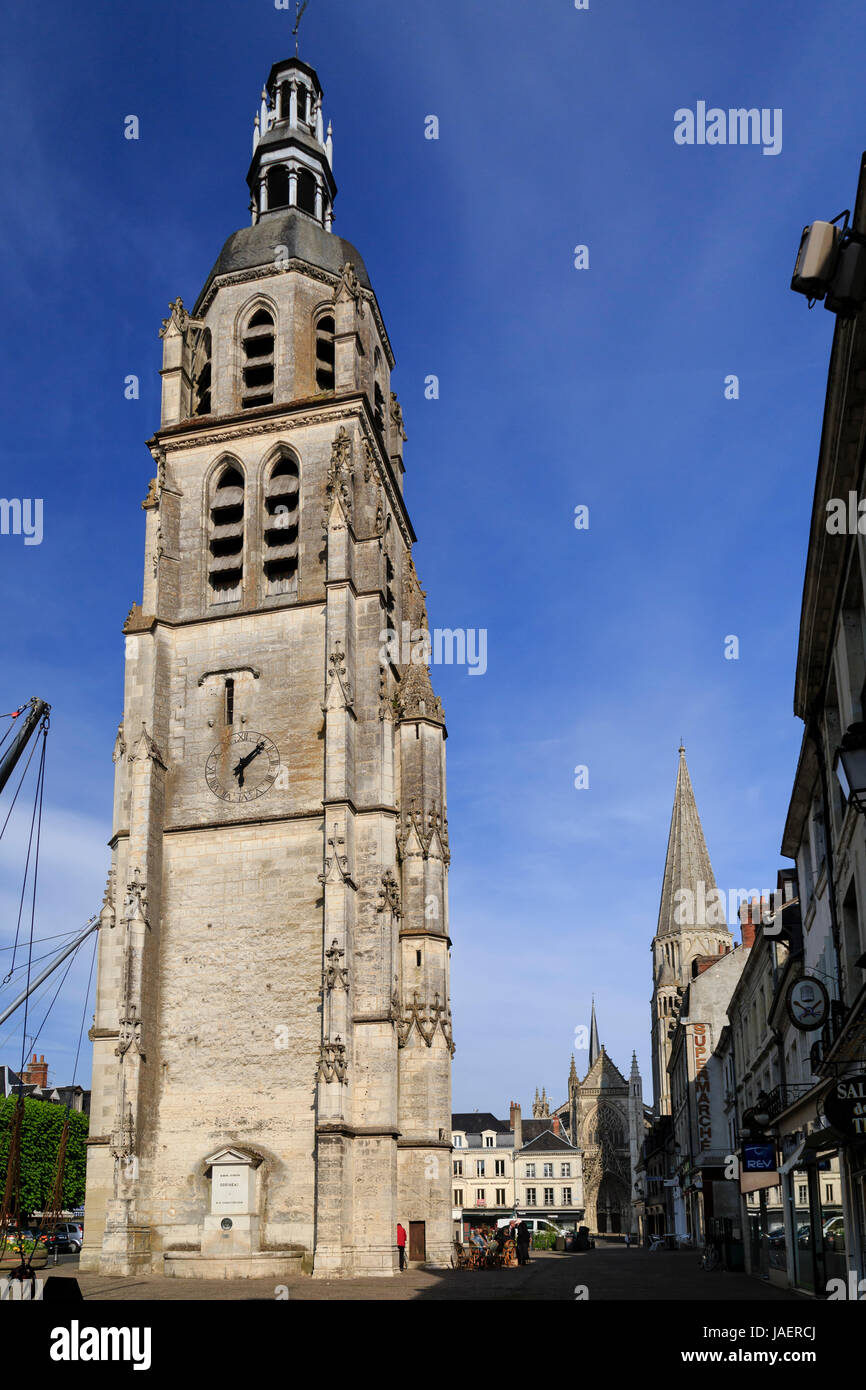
(516, 1125)
(36, 1074)
(750, 920)
(555, 1124)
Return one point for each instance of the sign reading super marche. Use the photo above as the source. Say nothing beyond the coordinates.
(845, 1105)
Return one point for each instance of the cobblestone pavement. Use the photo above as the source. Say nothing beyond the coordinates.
(608, 1272)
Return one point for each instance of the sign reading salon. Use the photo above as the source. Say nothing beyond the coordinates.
(845, 1106)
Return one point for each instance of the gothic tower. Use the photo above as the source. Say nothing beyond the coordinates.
(272, 1039)
(692, 923)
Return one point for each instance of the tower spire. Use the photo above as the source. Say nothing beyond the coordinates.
(594, 1048)
(691, 923)
(687, 865)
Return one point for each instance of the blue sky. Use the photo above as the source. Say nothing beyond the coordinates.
(559, 387)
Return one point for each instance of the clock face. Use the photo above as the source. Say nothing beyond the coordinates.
(243, 768)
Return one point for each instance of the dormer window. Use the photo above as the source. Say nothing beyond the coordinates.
(258, 369)
(226, 539)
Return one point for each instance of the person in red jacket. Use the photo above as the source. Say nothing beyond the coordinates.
(401, 1244)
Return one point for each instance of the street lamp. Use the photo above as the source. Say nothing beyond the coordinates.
(849, 764)
(761, 1110)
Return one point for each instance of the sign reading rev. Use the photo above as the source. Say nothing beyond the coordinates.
(759, 1158)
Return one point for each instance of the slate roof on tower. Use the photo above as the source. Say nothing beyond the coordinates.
(303, 240)
(688, 859)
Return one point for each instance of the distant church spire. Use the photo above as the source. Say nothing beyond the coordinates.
(691, 924)
(688, 860)
(594, 1048)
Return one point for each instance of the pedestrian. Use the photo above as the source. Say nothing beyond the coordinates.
(626, 1240)
(401, 1243)
(523, 1244)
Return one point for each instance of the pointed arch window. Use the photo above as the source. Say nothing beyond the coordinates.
(280, 527)
(226, 536)
(307, 191)
(325, 330)
(258, 364)
(201, 375)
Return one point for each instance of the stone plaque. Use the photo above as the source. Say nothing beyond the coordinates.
(232, 1189)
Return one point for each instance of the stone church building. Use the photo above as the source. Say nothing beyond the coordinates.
(604, 1119)
(272, 1037)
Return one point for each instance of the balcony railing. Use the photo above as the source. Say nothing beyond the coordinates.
(781, 1097)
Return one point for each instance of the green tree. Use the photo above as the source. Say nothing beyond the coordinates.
(40, 1139)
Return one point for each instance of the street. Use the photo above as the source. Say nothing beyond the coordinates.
(608, 1273)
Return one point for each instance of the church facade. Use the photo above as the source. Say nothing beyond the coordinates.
(272, 1037)
(605, 1121)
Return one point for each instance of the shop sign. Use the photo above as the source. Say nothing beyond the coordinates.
(759, 1158)
(808, 1004)
(845, 1105)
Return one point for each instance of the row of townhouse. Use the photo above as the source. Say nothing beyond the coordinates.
(764, 1148)
(513, 1168)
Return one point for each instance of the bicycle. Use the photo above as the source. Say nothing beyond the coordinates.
(711, 1258)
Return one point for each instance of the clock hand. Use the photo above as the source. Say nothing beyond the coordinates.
(243, 763)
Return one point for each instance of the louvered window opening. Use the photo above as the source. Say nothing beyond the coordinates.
(325, 354)
(201, 385)
(280, 549)
(258, 370)
(226, 540)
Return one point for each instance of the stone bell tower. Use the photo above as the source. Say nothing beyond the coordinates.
(691, 924)
(272, 1038)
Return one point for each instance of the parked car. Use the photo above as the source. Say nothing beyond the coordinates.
(535, 1224)
(834, 1233)
(65, 1237)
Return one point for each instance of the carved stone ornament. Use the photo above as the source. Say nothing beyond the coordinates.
(130, 1034)
(415, 697)
(339, 693)
(335, 975)
(389, 895)
(397, 416)
(426, 1018)
(158, 551)
(122, 1142)
(333, 1064)
(179, 318)
(336, 863)
(350, 289)
(135, 902)
(340, 473)
(146, 749)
